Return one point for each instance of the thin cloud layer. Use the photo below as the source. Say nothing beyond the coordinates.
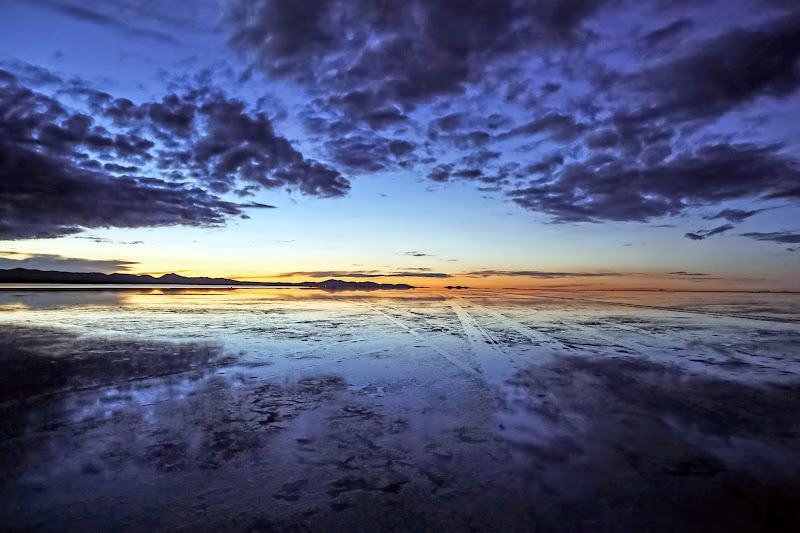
(783, 237)
(536, 274)
(361, 274)
(703, 234)
(57, 262)
(422, 273)
(735, 215)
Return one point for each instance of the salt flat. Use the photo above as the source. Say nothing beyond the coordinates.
(259, 409)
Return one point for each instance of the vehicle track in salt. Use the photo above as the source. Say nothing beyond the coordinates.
(590, 338)
(664, 308)
(492, 360)
(535, 336)
(426, 340)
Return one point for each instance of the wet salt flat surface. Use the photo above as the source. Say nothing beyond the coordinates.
(266, 409)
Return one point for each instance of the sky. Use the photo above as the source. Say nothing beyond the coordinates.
(486, 143)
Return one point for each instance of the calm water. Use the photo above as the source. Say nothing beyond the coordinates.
(269, 409)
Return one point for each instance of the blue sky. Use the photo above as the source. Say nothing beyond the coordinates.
(579, 143)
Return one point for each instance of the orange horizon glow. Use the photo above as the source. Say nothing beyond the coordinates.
(621, 282)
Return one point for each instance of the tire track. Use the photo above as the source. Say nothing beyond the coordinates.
(444, 353)
(715, 314)
(493, 362)
(537, 337)
(590, 339)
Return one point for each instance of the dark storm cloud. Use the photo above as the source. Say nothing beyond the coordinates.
(366, 152)
(558, 127)
(10, 260)
(406, 52)
(545, 166)
(441, 173)
(210, 137)
(625, 147)
(399, 147)
(44, 196)
(727, 71)
(360, 153)
(383, 118)
(625, 153)
(602, 139)
(113, 167)
(173, 114)
(55, 184)
(26, 74)
(702, 234)
(536, 274)
(623, 121)
(624, 189)
(447, 123)
(238, 145)
(463, 132)
(783, 237)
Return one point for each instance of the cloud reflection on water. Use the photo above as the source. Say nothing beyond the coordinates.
(303, 409)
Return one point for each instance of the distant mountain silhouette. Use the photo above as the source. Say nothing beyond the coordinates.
(24, 275)
(339, 285)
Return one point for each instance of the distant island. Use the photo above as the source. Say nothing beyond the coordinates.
(24, 275)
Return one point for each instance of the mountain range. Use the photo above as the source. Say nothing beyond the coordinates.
(24, 275)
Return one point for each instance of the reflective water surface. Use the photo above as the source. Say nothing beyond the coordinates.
(297, 409)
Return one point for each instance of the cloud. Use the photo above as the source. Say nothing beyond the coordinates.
(625, 189)
(726, 71)
(415, 253)
(684, 273)
(542, 101)
(43, 197)
(96, 17)
(173, 114)
(162, 165)
(784, 237)
(360, 153)
(162, 22)
(362, 274)
(734, 215)
(238, 145)
(606, 138)
(702, 234)
(9, 260)
(402, 54)
(667, 34)
(536, 274)
(559, 127)
(439, 70)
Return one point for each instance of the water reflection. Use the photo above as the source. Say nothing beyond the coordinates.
(270, 410)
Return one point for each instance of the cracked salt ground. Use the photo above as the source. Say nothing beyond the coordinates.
(251, 410)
